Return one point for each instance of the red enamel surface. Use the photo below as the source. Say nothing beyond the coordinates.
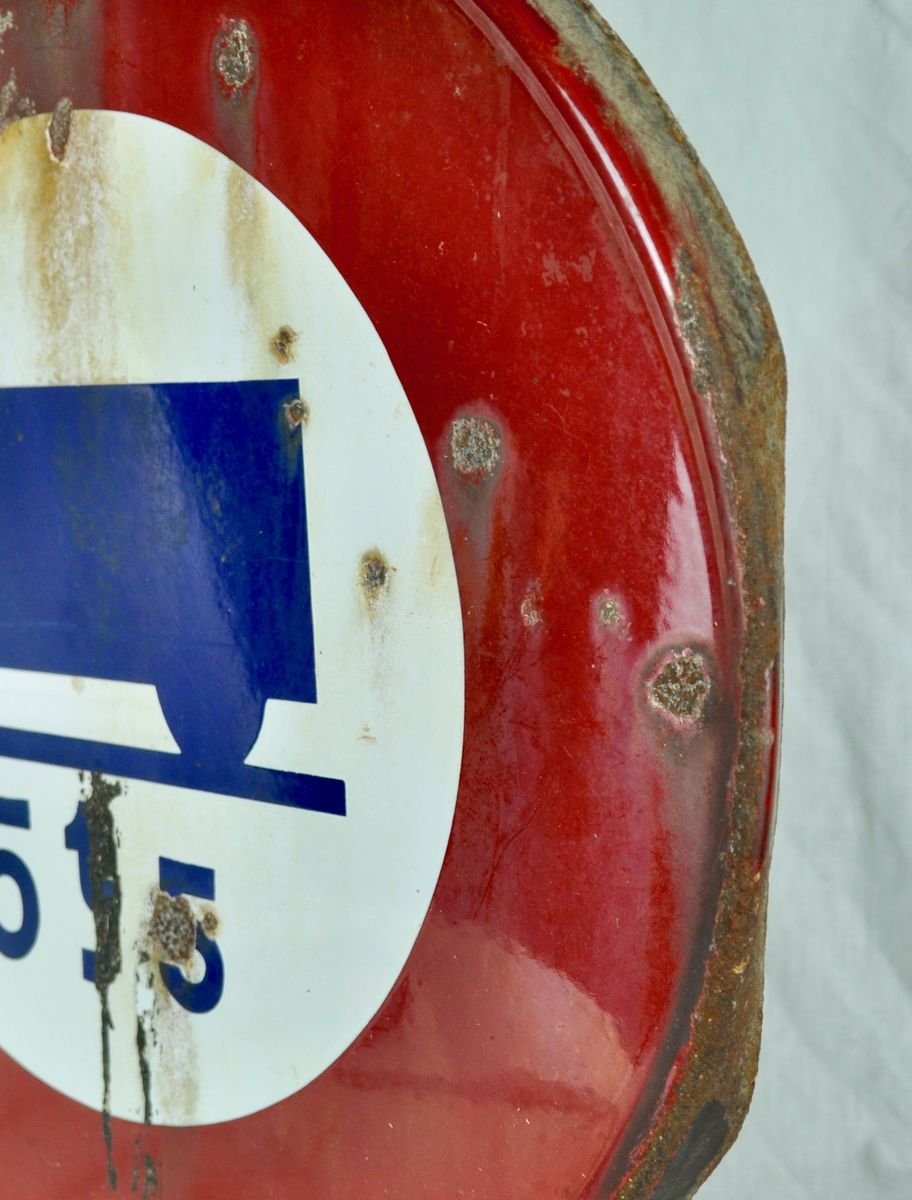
(515, 259)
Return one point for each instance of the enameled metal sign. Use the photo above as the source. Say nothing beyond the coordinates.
(389, 540)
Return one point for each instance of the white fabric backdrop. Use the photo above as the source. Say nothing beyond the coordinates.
(802, 112)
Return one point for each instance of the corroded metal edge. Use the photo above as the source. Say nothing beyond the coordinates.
(726, 331)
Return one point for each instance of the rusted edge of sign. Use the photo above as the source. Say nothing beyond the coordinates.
(725, 330)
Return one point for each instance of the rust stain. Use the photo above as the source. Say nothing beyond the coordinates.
(434, 541)
(178, 1075)
(681, 685)
(12, 104)
(236, 56)
(251, 251)
(257, 256)
(235, 65)
(164, 1031)
(374, 575)
(609, 612)
(7, 22)
(475, 446)
(612, 615)
(9, 91)
(172, 929)
(74, 243)
(58, 129)
(297, 413)
(530, 609)
(282, 345)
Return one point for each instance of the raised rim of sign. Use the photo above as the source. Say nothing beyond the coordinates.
(718, 315)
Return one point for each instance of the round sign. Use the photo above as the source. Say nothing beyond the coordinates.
(231, 696)
(390, 518)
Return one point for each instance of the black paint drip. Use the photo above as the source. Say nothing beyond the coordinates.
(145, 1073)
(105, 884)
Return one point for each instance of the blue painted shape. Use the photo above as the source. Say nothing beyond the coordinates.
(199, 997)
(315, 793)
(76, 838)
(15, 813)
(17, 943)
(88, 966)
(158, 534)
(187, 879)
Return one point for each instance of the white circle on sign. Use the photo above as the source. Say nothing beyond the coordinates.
(144, 257)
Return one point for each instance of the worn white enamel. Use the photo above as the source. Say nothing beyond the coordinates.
(168, 263)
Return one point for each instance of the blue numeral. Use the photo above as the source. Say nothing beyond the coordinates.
(175, 878)
(76, 837)
(16, 943)
(185, 879)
